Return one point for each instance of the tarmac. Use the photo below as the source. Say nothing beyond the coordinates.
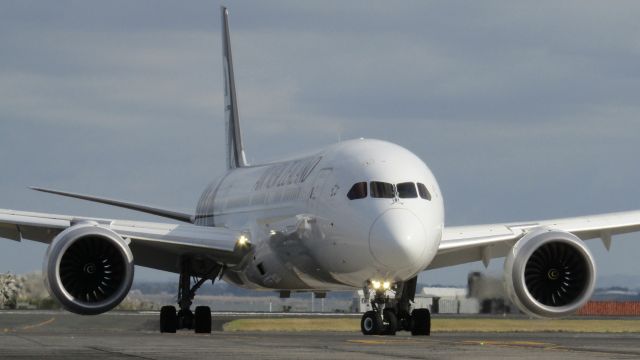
(134, 335)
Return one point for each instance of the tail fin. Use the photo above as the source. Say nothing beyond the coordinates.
(235, 150)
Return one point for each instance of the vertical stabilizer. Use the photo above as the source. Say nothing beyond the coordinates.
(235, 150)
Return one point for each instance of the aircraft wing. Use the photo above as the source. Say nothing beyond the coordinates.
(465, 244)
(154, 245)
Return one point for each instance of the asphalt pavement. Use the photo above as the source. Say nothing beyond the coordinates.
(130, 335)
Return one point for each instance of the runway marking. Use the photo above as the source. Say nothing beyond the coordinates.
(381, 341)
(515, 343)
(29, 327)
(46, 322)
(116, 352)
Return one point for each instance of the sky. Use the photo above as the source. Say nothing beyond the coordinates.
(523, 110)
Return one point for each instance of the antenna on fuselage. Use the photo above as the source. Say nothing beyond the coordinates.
(235, 151)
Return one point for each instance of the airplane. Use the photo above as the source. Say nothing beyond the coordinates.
(359, 214)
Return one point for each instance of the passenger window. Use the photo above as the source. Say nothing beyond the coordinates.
(424, 193)
(407, 190)
(358, 191)
(382, 190)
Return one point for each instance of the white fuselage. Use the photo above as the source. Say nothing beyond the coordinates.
(306, 233)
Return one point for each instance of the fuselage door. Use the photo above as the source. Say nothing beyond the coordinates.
(319, 193)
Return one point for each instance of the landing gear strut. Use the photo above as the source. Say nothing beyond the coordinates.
(389, 315)
(200, 322)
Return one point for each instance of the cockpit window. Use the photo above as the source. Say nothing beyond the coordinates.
(382, 190)
(358, 191)
(407, 190)
(424, 193)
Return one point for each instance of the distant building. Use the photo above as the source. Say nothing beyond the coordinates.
(490, 293)
(450, 300)
(610, 308)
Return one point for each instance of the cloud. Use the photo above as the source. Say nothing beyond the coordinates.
(522, 110)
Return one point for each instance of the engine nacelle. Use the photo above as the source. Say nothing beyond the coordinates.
(88, 269)
(549, 273)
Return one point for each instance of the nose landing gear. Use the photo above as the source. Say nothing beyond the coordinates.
(389, 315)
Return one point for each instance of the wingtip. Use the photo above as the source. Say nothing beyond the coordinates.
(44, 190)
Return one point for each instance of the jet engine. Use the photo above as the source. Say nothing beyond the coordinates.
(88, 268)
(549, 273)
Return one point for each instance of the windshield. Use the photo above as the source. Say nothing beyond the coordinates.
(382, 190)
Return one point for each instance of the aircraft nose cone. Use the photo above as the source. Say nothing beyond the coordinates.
(397, 239)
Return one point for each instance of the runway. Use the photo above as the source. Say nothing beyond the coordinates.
(60, 335)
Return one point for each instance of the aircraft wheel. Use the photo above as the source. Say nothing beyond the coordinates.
(202, 320)
(392, 321)
(168, 319)
(371, 323)
(421, 322)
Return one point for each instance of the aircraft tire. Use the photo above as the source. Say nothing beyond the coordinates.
(202, 320)
(371, 323)
(421, 322)
(168, 319)
(392, 321)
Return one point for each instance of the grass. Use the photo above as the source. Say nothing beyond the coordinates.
(444, 325)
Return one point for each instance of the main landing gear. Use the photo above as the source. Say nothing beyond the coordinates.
(200, 321)
(391, 315)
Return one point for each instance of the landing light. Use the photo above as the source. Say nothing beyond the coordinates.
(243, 240)
(377, 285)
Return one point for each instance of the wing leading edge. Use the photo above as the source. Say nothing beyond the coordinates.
(465, 244)
(154, 245)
